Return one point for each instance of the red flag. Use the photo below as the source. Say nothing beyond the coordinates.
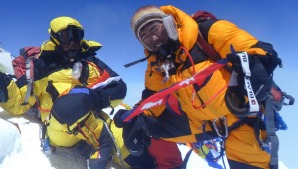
(160, 97)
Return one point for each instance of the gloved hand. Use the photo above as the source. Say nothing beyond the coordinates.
(120, 115)
(236, 64)
(4, 82)
(136, 133)
(99, 97)
(260, 79)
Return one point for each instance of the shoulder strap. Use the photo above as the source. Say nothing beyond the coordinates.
(200, 17)
(271, 133)
(30, 79)
(207, 48)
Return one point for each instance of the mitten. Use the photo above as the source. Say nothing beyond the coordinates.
(4, 82)
(236, 64)
(120, 115)
(136, 136)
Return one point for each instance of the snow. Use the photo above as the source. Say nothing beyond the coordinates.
(10, 140)
(22, 150)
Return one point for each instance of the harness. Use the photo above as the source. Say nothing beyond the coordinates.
(212, 146)
(270, 144)
(265, 120)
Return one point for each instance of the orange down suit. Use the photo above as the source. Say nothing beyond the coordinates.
(241, 144)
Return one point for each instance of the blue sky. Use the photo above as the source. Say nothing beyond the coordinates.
(26, 23)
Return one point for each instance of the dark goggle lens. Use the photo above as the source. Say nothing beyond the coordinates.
(70, 34)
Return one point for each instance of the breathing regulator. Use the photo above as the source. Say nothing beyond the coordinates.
(166, 51)
(169, 24)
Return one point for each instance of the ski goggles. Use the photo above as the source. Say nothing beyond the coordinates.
(71, 33)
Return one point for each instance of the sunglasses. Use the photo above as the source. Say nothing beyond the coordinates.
(71, 33)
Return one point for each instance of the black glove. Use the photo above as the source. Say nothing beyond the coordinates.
(4, 82)
(260, 79)
(236, 64)
(136, 133)
(119, 117)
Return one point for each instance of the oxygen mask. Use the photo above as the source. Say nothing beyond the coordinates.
(71, 51)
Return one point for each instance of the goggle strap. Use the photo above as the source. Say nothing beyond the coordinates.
(53, 34)
(79, 34)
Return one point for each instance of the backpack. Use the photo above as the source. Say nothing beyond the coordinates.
(19, 63)
(278, 95)
(271, 106)
(23, 65)
(201, 16)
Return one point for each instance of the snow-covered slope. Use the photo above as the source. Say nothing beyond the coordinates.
(23, 150)
(9, 139)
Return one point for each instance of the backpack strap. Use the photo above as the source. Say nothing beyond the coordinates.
(51, 89)
(200, 17)
(280, 96)
(30, 79)
(28, 53)
(207, 48)
(271, 144)
(271, 133)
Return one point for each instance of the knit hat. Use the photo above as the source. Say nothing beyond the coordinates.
(143, 16)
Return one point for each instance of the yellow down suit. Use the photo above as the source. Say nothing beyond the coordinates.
(52, 78)
(241, 144)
